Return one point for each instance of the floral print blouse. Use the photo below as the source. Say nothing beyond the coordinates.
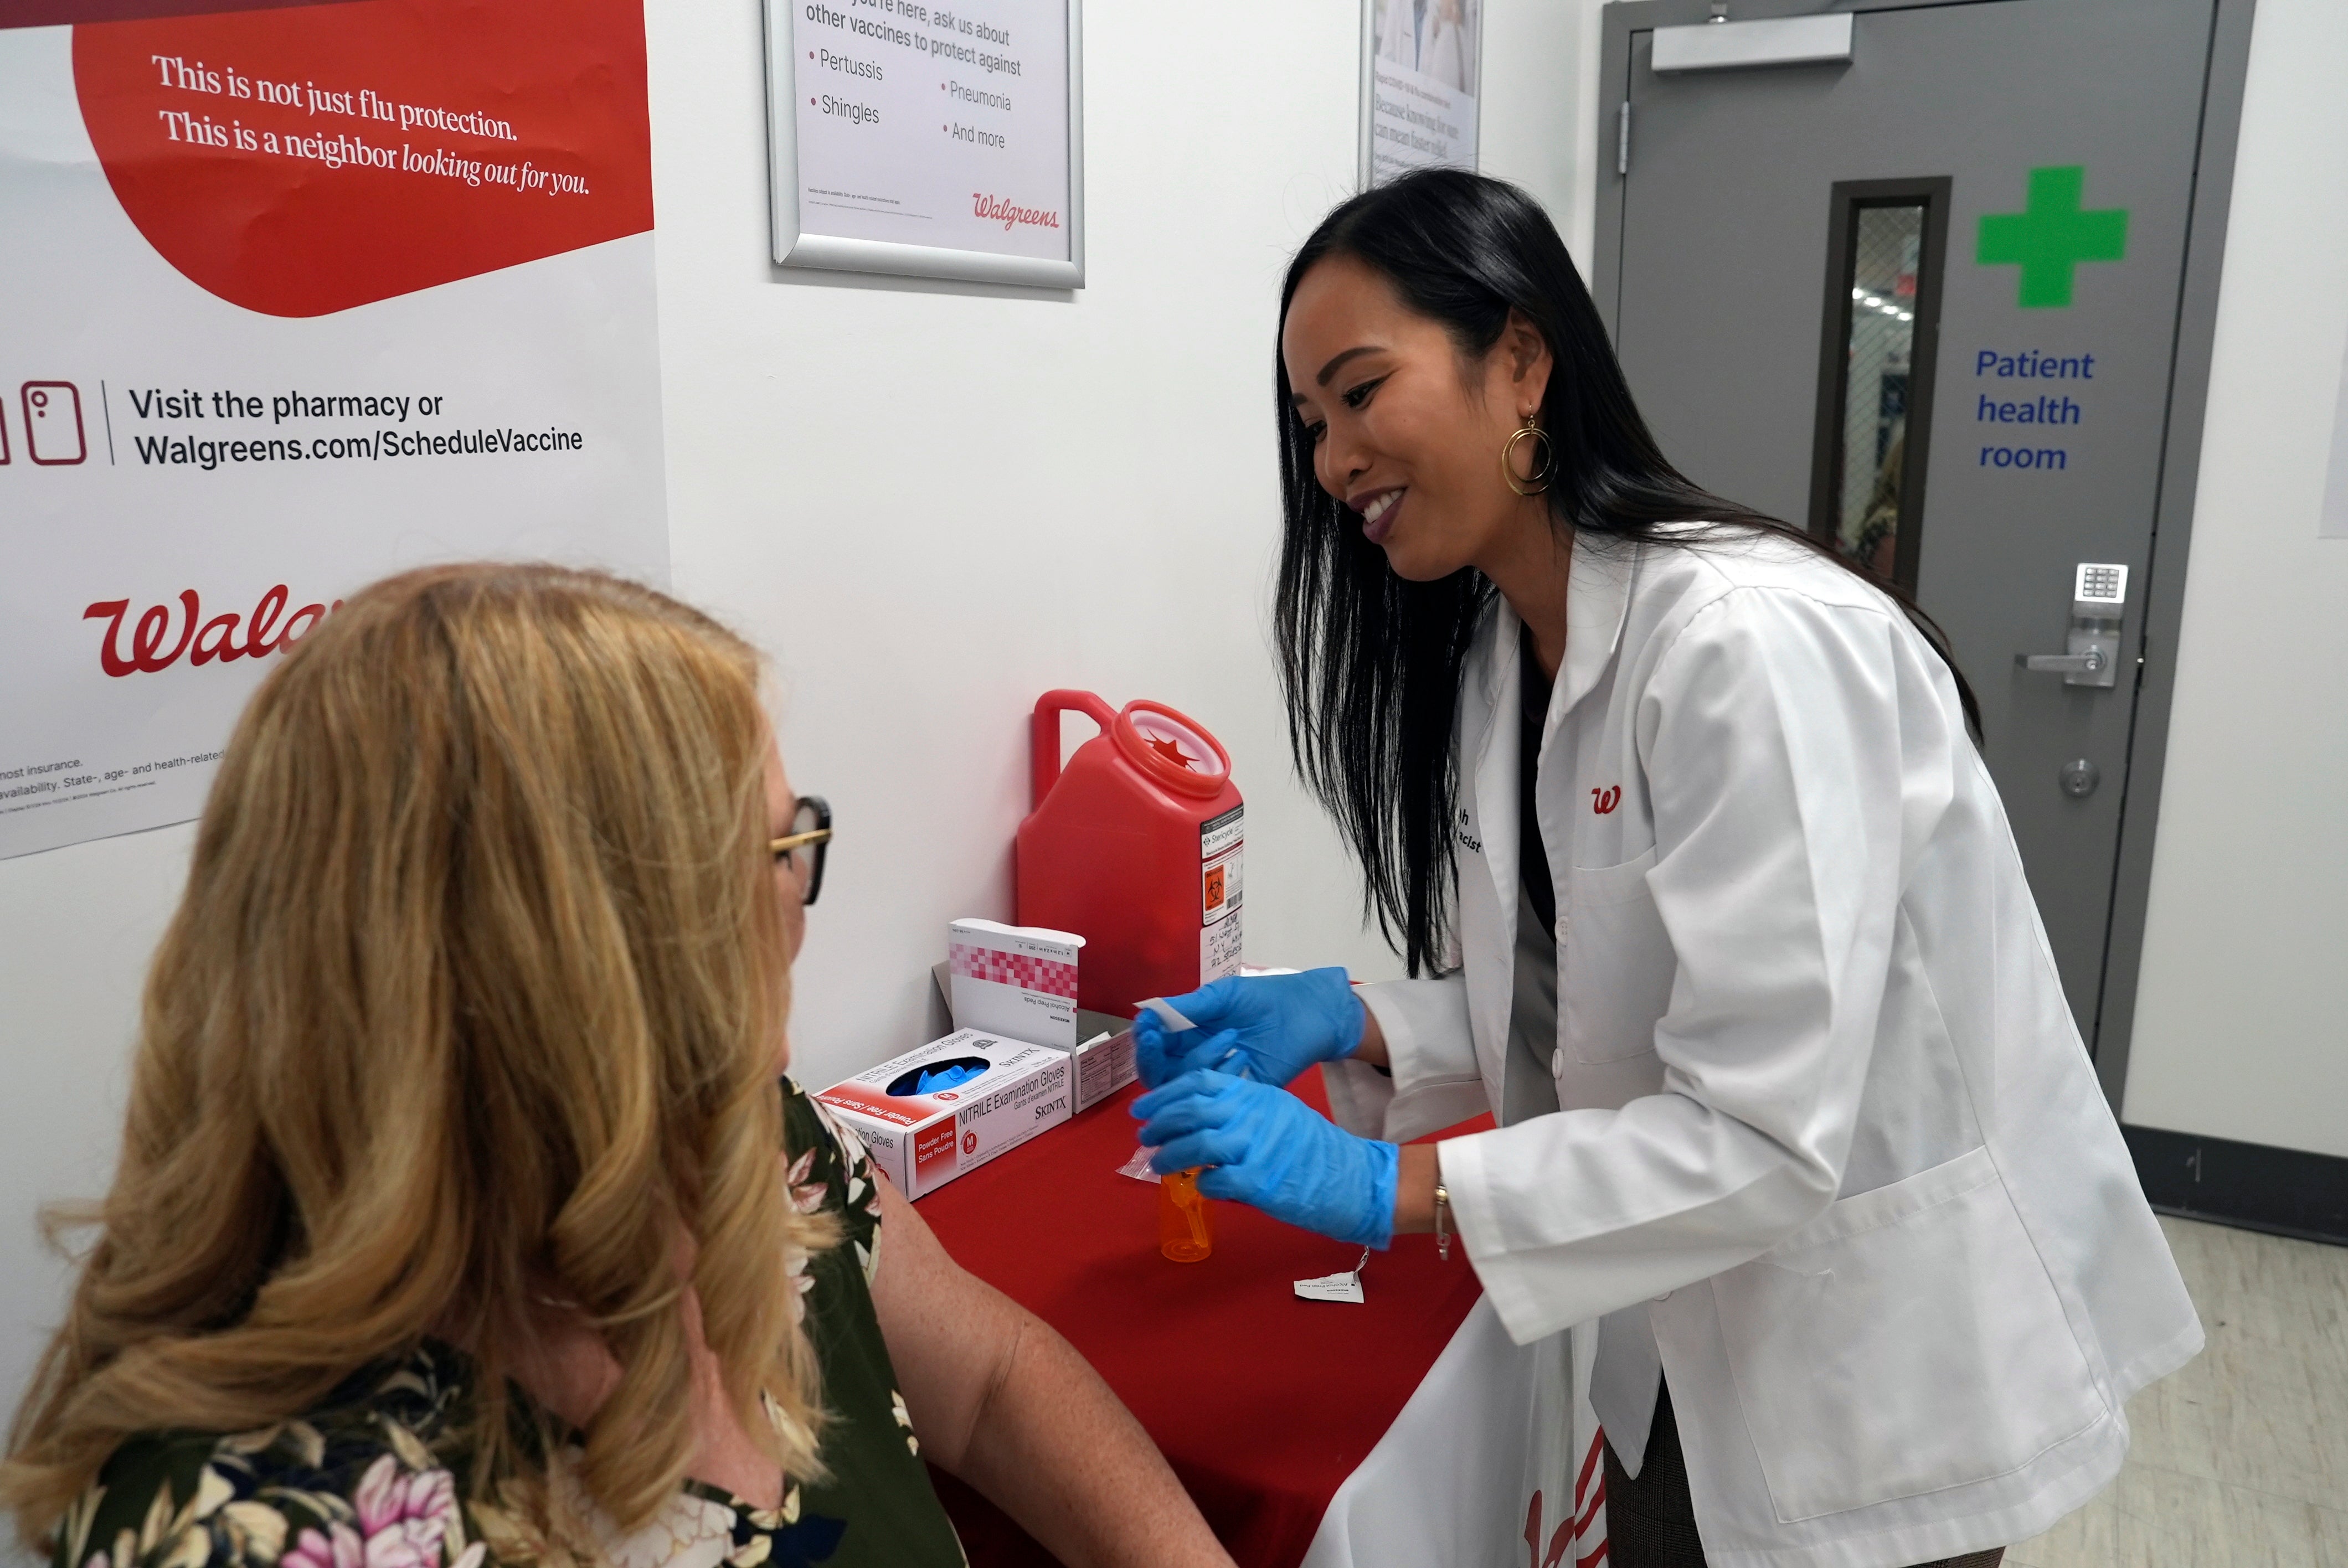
(374, 1477)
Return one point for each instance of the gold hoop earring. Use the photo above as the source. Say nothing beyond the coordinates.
(1540, 477)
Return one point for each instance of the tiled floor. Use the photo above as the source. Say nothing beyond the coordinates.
(2241, 1458)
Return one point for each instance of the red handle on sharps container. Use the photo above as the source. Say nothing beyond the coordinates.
(1044, 737)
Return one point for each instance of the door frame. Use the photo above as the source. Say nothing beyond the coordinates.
(2228, 53)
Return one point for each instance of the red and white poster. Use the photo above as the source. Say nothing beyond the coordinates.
(292, 296)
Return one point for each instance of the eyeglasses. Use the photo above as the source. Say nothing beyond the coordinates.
(801, 850)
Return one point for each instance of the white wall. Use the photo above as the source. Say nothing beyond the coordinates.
(1538, 72)
(930, 502)
(933, 503)
(2241, 1026)
(1593, 137)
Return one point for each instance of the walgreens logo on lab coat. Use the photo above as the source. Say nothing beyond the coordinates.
(162, 633)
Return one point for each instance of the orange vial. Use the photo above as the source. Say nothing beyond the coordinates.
(1184, 1234)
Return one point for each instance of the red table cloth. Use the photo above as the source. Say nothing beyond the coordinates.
(1263, 1402)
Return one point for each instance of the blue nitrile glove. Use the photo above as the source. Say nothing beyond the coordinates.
(1280, 1025)
(1161, 1056)
(933, 1079)
(1266, 1147)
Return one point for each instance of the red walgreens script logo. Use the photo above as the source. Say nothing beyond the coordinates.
(1010, 214)
(1604, 801)
(201, 640)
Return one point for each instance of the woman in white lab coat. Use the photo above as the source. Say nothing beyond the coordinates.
(1678, 823)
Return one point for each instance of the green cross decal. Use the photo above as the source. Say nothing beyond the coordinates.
(2051, 236)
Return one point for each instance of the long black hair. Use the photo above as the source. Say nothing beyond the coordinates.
(1371, 662)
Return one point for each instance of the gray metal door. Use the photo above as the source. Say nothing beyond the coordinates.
(1926, 301)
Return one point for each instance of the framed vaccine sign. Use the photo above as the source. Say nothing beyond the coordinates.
(932, 140)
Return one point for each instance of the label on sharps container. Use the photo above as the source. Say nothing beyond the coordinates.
(1223, 885)
(1218, 834)
(1219, 949)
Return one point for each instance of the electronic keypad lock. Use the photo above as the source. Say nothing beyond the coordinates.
(2098, 596)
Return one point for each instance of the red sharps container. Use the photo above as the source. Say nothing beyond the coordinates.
(1135, 847)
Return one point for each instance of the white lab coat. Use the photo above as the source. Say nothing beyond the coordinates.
(1829, 1142)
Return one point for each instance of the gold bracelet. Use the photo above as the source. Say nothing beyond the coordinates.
(1442, 1221)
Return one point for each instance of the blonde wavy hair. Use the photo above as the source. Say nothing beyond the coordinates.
(475, 996)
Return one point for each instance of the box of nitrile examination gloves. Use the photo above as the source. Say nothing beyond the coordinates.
(1103, 1050)
(955, 1103)
(1019, 980)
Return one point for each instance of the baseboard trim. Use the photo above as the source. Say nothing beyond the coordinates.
(2284, 1192)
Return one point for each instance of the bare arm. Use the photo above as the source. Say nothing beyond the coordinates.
(1001, 1400)
(1414, 1183)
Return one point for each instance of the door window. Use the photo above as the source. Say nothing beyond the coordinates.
(1883, 260)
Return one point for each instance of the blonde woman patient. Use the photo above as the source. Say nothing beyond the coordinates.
(460, 1218)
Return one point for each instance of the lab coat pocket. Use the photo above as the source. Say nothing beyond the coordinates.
(1907, 1341)
(1614, 962)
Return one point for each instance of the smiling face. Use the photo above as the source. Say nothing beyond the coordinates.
(1407, 432)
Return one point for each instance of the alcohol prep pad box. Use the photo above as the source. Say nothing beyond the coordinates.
(1019, 980)
(1104, 1064)
(955, 1103)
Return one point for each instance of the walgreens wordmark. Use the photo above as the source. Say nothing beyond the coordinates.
(162, 633)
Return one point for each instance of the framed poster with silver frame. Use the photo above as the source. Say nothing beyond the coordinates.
(858, 182)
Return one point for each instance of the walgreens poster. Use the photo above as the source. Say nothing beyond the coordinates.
(292, 296)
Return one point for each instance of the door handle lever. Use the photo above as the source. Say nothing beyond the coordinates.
(2093, 656)
(2091, 662)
